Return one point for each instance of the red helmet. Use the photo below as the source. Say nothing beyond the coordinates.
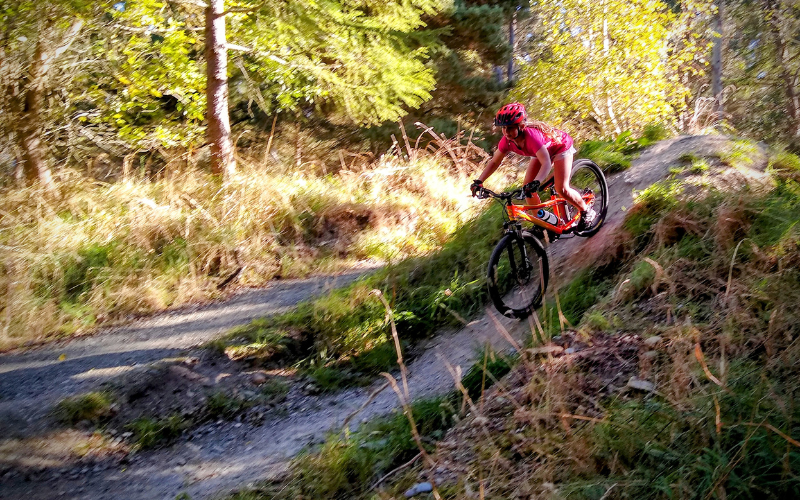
(511, 114)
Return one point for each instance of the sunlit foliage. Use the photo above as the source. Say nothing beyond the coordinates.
(604, 67)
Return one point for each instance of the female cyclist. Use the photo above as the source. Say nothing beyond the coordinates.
(548, 148)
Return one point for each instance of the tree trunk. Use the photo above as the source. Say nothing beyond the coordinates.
(512, 23)
(34, 165)
(716, 64)
(788, 77)
(790, 82)
(29, 133)
(793, 101)
(298, 144)
(28, 99)
(609, 104)
(219, 128)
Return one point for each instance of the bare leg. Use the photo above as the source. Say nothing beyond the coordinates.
(562, 168)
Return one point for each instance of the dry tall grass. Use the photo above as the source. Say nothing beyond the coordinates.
(99, 251)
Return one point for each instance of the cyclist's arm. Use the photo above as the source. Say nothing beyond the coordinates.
(493, 164)
(545, 164)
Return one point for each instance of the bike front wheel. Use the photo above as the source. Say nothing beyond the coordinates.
(518, 274)
(586, 177)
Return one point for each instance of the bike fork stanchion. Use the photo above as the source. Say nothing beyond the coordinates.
(512, 262)
(526, 262)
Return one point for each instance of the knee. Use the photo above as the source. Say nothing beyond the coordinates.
(561, 188)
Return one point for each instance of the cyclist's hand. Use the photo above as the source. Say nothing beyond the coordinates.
(477, 188)
(531, 188)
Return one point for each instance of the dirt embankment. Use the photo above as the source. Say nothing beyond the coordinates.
(39, 460)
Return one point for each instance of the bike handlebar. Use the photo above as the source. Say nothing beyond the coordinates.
(525, 191)
(517, 194)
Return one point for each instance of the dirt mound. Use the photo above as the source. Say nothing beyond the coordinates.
(558, 385)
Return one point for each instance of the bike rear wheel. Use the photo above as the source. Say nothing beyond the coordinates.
(588, 177)
(517, 275)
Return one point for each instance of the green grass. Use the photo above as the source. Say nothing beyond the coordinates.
(151, 432)
(221, 405)
(666, 451)
(92, 406)
(741, 154)
(690, 163)
(775, 217)
(606, 155)
(575, 298)
(651, 204)
(618, 154)
(785, 165)
(275, 390)
(265, 341)
(489, 367)
(346, 467)
(699, 167)
(689, 158)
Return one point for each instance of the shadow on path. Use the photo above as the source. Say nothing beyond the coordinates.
(32, 381)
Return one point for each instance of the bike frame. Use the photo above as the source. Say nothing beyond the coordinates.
(521, 212)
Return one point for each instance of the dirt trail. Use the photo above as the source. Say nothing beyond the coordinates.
(30, 382)
(224, 455)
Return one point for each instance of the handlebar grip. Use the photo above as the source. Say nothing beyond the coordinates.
(530, 188)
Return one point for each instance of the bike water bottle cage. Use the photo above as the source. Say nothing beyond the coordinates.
(510, 115)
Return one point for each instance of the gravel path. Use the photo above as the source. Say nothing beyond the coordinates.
(225, 455)
(30, 382)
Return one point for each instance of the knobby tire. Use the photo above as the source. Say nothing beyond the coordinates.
(586, 175)
(516, 289)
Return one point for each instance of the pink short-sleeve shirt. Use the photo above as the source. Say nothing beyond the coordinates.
(534, 140)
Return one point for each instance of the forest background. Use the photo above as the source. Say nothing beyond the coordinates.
(151, 151)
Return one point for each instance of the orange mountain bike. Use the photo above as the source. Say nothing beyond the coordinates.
(518, 268)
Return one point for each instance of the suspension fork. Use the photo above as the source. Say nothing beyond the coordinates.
(526, 262)
(516, 229)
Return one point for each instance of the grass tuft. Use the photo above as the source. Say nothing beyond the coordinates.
(151, 432)
(221, 405)
(785, 165)
(92, 406)
(651, 205)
